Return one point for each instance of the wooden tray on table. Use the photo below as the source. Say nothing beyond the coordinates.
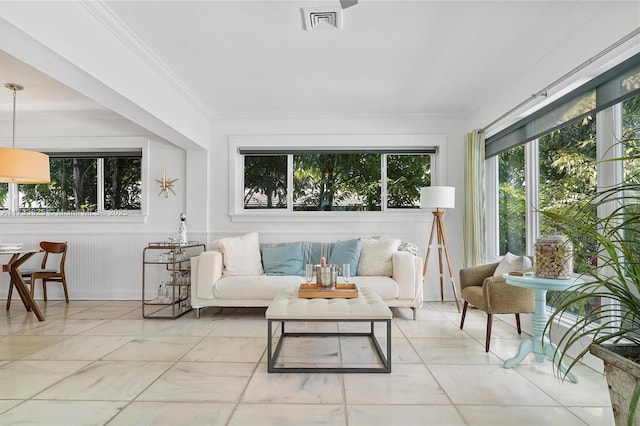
(313, 291)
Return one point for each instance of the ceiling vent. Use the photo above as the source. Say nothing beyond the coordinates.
(317, 18)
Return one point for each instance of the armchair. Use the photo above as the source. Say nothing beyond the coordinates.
(493, 295)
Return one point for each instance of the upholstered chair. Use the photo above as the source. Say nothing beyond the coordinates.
(493, 296)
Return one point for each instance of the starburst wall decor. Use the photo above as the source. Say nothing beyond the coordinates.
(166, 185)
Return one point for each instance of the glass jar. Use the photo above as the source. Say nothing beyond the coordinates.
(554, 257)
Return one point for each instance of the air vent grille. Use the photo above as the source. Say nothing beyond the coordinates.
(322, 18)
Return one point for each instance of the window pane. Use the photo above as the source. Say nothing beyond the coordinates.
(511, 201)
(4, 196)
(325, 182)
(265, 182)
(567, 177)
(406, 174)
(72, 188)
(122, 179)
(631, 130)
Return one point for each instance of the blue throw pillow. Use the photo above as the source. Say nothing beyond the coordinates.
(347, 251)
(283, 260)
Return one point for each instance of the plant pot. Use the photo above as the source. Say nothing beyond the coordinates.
(623, 376)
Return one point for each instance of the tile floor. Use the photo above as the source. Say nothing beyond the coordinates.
(99, 362)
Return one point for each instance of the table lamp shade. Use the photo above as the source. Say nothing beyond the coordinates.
(437, 197)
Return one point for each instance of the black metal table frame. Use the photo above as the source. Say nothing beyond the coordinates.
(272, 355)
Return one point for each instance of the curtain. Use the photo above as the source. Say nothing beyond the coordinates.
(473, 229)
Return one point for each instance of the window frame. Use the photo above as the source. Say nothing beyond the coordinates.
(351, 143)
(103, 146)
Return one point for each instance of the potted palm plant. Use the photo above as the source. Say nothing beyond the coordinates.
(611, 325)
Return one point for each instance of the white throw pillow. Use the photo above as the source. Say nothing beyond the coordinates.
(241, 255)
(375, 256)
(511, 262)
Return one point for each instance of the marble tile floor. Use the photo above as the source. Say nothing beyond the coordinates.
(101, 363)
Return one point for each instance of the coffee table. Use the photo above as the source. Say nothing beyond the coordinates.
(367, 307)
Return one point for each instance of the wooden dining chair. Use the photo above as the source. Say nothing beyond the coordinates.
(46, 273)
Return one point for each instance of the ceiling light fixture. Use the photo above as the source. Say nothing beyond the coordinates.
(21, 165)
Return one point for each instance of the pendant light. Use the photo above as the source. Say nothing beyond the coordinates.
(21, 165)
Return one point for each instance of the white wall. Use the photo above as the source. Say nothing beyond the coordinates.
(105, 253)
(414, 228)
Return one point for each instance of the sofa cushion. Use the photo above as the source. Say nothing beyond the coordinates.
(262, 287)
(283, 260)
(347, 251)
(314, 251)
(375, 256)
(510, 262)
(241, 255)
(386, 287)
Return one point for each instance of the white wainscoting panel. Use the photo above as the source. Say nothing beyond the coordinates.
(99, 266)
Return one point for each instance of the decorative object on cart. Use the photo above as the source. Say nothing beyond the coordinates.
(162, 292)
(22, 165)
(182, 231)
(439, 197)
(166, 185)
(614, 281)
(553, 257)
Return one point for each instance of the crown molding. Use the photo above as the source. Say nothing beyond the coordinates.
(335, 115)
(121, 31)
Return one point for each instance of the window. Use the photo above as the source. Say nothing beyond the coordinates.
(406, 174)
(559, 159)
(511, 201)
(265, 181)
(83, 182)
(4, 196)
(567, 176)
(335, 181)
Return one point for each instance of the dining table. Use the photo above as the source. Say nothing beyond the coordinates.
(19, 256)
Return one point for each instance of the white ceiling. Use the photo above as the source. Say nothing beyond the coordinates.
(390, 57)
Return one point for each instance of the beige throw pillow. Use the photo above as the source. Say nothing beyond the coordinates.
(375, 256)
(241, 255)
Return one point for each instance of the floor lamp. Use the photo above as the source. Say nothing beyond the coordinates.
(439, 197)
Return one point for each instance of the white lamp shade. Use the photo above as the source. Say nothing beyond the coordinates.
(437, 197)
(23, 166)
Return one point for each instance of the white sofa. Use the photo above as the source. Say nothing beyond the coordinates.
(214, 285)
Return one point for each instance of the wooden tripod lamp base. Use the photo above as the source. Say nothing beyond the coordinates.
(439, 197)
